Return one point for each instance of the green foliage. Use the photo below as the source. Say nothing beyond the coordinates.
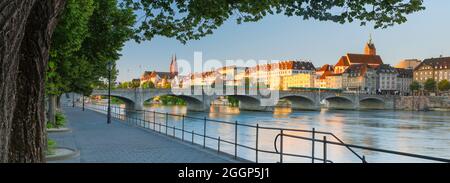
(444, 85)
(51, 146)
(148, 85)
(170, 100)
(135, 84)
(60, 121)
(67, 39)
(115, 100)
(128, 85)
(233, 101)
(415, 86)
(191, 20)
(95, 32)
(430, 85)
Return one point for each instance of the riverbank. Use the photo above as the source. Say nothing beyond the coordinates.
(423, 103)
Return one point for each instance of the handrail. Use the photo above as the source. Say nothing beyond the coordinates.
(370, 149)
(338, 141)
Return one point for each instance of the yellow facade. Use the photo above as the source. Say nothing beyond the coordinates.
(298, 81)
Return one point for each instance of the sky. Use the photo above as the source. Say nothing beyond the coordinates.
(426, 34)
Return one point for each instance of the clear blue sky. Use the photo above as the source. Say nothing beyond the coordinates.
(425, 35)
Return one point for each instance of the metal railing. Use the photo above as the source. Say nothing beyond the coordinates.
(282, 133)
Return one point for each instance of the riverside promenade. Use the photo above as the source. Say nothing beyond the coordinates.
(118, 142)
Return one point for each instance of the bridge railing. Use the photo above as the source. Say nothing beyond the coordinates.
(318, 142)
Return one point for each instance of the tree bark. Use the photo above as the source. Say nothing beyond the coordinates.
(14, 15)
(26, 29)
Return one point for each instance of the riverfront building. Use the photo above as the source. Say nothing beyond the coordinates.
(387, 79)
(360, 78)
(404, 80)
(433, 68)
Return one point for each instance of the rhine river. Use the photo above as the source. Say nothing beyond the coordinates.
(424, 133)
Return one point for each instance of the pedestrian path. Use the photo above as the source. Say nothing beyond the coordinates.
(118, 142)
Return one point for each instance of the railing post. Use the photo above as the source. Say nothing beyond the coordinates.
(192, 137)
(324, 149)
(257, 141)
(174, 131)
(364, 159)
(159, 124)
(281, 145)
(235, 138)
(167, 118)
(313, 144)
(144, 119)
(204, 132)
(218, 145)
(182, 128)
(154, 120)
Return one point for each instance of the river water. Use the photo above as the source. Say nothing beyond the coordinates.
(425, 133)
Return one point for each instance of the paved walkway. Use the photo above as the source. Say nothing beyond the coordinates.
(121, 143)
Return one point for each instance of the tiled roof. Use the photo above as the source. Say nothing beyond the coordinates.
(436, 63)
(404, 73)
(364, 59)
(356, 70)
(325, 68)
(150, 74)
(343, 61)
(385, 68)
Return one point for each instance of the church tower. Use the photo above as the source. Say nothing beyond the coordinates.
(370, 48)
(174, 66)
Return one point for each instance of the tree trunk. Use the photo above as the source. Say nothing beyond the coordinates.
(14, 14)
(52, 109)
(58, 102)
(26, 29)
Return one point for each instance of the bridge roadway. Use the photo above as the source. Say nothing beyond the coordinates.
(255, 100)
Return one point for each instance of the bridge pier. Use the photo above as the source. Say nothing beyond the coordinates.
(305, 107)
(249, 107)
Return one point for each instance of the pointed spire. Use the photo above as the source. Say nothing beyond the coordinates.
(173, 65)
(370, 47)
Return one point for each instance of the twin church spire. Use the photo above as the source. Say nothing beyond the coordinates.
(174, 66)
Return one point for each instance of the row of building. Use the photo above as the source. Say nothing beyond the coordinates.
(353, 72)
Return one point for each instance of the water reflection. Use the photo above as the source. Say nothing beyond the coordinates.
(426, 133)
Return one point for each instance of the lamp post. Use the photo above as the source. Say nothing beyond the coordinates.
(110, 65)
(83, 102)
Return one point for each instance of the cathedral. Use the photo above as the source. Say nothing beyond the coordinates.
(161, 79)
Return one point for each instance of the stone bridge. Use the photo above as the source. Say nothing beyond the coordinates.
(261, 100)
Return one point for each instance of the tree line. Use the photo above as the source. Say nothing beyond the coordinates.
(431, 85)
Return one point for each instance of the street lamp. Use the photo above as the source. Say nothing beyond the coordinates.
(110, 65)
(83, 102)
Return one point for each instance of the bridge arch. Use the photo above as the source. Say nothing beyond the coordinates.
(300, 102)
(129, 103)
(372, 103)
(249, 103)
(339, 102)
(192, 102)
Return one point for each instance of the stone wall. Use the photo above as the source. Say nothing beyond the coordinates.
(423, 103)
